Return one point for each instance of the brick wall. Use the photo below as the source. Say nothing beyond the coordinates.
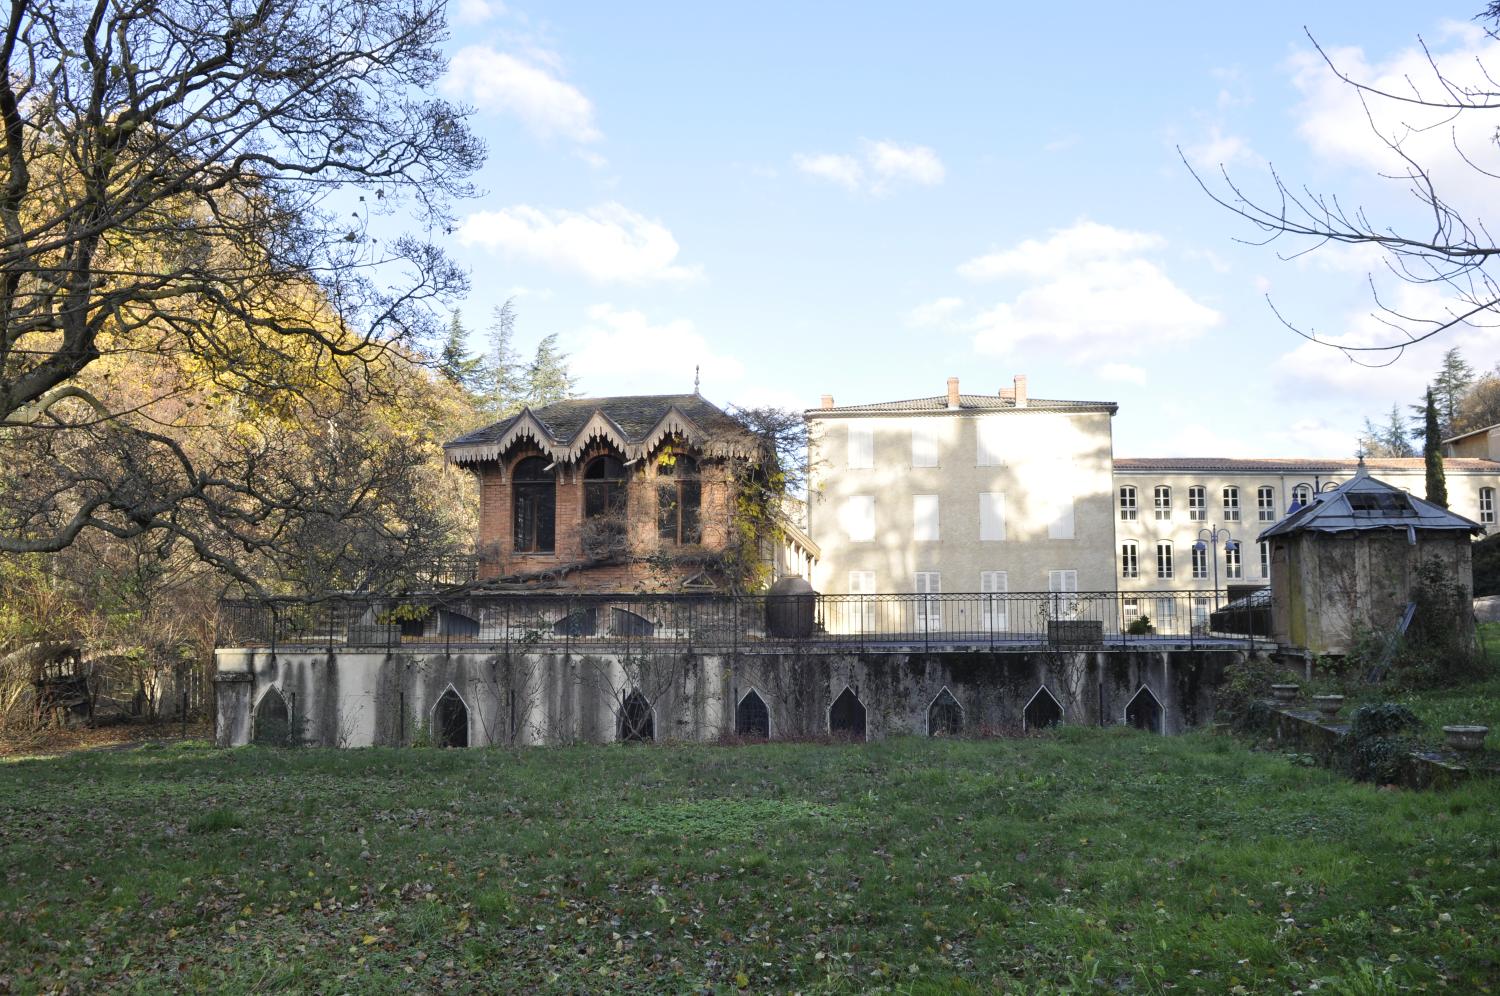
(497, 556)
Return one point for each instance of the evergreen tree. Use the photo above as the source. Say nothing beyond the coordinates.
(502, 382)
(548, 378)
(1389, 440)
(455, 362)
(1449, 387)
(1437, 486)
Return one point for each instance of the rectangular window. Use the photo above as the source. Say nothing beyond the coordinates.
(991, 445)
(924, 447)
(1129, 563)
(1231, 504)
(1487, 506)
(858, 518)
(1265, 503)
(1130, 610)
(924, 518)
(1127, 503)
(1302, 494)
(1200, 614)
(1061, 526)
(1163, 501)
(1164, 617)
(930, 608)
(1062, 602)
(861, 447)
(991, 516)
(1164, 559)
(1200, 562)
(1232, 569)
(1197, 503)
(863, 583)
(1265, 559)
(994, 585)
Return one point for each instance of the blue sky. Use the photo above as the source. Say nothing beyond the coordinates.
(864, 200)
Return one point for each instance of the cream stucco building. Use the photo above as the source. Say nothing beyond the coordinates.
(962, 493)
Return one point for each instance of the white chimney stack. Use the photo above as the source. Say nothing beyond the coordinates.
(827, 401)
(1020, 390)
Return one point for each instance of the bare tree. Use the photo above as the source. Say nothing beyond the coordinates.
(1442, 247)
(198, 184)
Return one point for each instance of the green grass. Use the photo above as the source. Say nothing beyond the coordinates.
(1472, 703)
(1089, 860)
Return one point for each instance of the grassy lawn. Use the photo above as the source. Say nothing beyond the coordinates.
(1089, 859)
(1473, 703)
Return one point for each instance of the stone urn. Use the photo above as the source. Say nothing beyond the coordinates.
(1284, 694)
(1466, 737)
(1328, 706)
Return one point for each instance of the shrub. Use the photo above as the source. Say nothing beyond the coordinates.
(1381, 737)
(1140, 626)
(1245, 684)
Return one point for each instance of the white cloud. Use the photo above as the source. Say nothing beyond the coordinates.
(606, 243)
(1089, 290)
(932, 313)
(622, 351)
(1333, 122)
(1085, 240)
(917, 163)
(876, 168)
(477, 11)
(843, 170)
(1374, 379)
(503, 83)
(1122, 373)
(1218, 149)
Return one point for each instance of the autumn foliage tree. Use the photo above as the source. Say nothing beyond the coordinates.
(190, 199)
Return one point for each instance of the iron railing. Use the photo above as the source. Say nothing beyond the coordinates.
(714, 622)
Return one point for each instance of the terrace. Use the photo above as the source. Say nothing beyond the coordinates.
(705, 622)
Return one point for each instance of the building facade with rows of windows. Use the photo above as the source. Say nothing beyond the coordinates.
(1002, 493)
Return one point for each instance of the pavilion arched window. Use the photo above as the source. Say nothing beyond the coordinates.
(533, 506)
(679, 498)
(603, 487)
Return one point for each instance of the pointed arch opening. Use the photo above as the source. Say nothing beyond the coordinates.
(272, 724)
(637, 719)
(945, 717)
(1043, 711)
(752, 717)
(450, 720)
(846, 716)
(1144, 712)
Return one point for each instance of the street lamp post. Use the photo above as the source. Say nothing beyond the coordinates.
(1208, 539)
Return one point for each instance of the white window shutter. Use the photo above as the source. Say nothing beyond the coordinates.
(1061, 526)
(992, 516)
(861, 447)
(924, 513)
(924, 446)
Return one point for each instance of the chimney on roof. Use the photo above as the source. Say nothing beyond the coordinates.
(1020, 393)
(952, 393)
(827, 401)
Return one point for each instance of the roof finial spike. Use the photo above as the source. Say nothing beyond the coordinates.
(696, 370)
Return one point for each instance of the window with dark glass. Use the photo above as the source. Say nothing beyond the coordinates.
(679, 495)
(604, 487)
(534, 506)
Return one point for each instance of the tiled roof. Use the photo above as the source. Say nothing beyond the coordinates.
(1365, 503)
(1295, 465)
(633, 423)
(966, 402)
